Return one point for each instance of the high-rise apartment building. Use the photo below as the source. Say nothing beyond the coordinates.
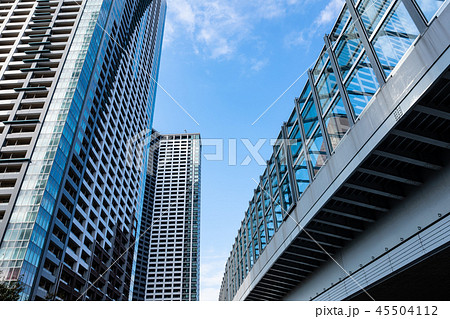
(169, 261)
(77, 82)
(354, 202)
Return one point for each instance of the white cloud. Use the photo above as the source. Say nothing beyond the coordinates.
(296, 38)
(258, 65)
(212, 267)
(329, 13)
(323, 21)
(216, 27)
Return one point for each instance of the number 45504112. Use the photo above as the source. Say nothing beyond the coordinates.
(404, 310)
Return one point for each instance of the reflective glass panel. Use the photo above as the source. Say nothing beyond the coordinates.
(286, 194)
(246, 264)
(250, 254)
(304, 96)
(271, 163)
(295, 142)
(274, 181)
(317, 151)
(270, 225)
(339, 26)
(281, 162)
(320, 64)
(348, 49)
(278, 211)
(249, 231)
(394, 38)
(361, 85)
(327, 86)
(256, 247)
(267, 198)
(301, 174)
(254, 223)
(291, 121)
(260, 212)
(257, 194)
(371, 12)
(264, 177)
(262, 236)
(309, 116)
(336, 122)
(429, 7)
(278, 142)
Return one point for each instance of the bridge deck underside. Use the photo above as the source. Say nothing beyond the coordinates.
(415, 149)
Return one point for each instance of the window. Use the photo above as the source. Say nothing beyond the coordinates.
(348, 49)
(301, 174)
(327, 86)
(394, 37)
(371, 12)
(309, 116)
(429, 7)
(361, 85)
(317, 152)
(336, 122)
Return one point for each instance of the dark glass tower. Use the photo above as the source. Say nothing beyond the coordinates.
(77, 83)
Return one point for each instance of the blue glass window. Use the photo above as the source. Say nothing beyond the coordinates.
(310, 119)
(320, 64)
(278, 211)
(281, 162)
(256, 246)
(262, 236)
(292, 120)
(371, 12)
(264, 177)
(361, 85)
(301, 174)
(286, 194)
(304, 96)
(274, 182)
(327, 86)
(295, 142)
(336, 122)
(267, 198)
(317, 151)
(254, 223)
(257, 194)
(260, 212)
(394, 37)
(340, 24)
(250, 254)
(271, 162)
(348, 49)
(270, 225)
(278, 143)
(246, 264)
(429, 7)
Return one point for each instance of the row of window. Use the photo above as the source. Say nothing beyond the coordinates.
(340, 86)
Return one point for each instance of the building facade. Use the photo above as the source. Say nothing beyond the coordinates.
(170, 266)
(147, 218)
(77, 82)
(354, 200)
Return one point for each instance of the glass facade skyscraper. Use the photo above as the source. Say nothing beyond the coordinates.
(169, 254)
(77, 82)
(358, 64)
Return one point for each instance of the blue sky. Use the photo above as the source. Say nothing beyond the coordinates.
(225, 63)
